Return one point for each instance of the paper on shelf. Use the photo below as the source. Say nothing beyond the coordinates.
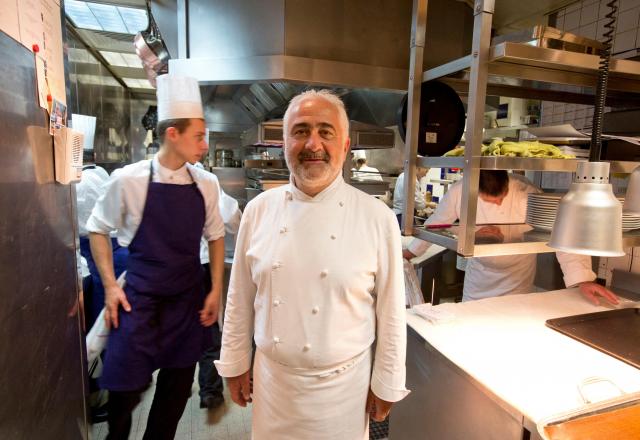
(559, 131)
(41, 77)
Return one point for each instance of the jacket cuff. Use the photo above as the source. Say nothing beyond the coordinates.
(385, 392)
(234, 369)
(418, 247)
(578, 276)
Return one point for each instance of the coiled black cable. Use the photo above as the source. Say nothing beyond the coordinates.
(603, 80)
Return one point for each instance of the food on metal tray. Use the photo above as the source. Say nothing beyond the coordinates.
(516, 149)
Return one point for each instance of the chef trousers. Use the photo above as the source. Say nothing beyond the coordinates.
(173, 389)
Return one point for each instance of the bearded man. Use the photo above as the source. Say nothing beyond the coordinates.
(317, 281)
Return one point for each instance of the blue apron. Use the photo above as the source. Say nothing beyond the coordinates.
(164, 285)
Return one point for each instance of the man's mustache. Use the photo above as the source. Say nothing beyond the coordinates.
(321, 155)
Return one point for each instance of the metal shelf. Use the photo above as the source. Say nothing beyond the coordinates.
(522, 71)
(517, 239)
(517, 60)
(520, 163)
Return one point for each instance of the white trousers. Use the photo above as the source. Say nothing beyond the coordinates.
(292, 405)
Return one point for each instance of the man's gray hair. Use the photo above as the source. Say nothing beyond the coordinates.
(325, 94)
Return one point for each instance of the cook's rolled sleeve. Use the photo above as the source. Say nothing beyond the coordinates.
(107, 213)
(214, 225)
(235, 356)
(389, 372)
(575, 268)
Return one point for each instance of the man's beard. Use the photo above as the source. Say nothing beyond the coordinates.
(313, 175)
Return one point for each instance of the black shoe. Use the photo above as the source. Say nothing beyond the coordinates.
(212, 402)
(99, 415)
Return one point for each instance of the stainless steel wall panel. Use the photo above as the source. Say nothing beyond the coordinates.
(42, 384)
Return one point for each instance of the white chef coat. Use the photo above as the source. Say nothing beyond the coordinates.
(122, 205)
(367, 173)
(316, 280)
(495, 276)
(398, 196)
(88, 191)
(231, 215)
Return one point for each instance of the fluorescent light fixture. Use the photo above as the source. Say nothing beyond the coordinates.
(136, 83)
(106, 17)
(77, 55)
(120, 59)
(93, 80)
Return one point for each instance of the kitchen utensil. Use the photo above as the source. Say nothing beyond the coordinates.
(441, 122)
(151, 48)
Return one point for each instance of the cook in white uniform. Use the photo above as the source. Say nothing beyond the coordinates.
(398, 194)
(503, 200)
(317, 280)
(362, 171)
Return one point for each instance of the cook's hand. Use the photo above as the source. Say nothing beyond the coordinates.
(407, 254)
(240, 389)
(592, 291)
(377, 408)
(114, 297)
(78, 307)
(209, 312)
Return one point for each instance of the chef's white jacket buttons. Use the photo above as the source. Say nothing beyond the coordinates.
(333, 237)
(324, 273)
(315, 310)
(276, 302)
(283, 229)
(306, 347)
(289, 196)
(276, 340)
(341, 204)
(276, 265)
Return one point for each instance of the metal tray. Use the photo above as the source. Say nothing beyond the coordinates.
(614, 332)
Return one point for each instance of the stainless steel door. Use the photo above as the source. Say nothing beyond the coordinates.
(42, 383)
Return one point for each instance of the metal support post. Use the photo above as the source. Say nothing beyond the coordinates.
(483, 14)
(418, 33)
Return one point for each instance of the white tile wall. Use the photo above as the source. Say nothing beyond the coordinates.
(587, 18)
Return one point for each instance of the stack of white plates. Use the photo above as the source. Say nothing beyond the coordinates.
(542, 210)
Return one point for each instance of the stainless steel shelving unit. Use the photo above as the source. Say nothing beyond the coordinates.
(506, 69)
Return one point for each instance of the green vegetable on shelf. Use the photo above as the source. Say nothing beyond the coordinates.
(516, 149)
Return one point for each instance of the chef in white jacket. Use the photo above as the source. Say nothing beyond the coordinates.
(317, 280)
(503, 200)
(418, 197)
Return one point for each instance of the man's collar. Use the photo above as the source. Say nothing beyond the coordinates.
(322, 195)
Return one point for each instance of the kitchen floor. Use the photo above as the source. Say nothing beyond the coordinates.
(229, 422)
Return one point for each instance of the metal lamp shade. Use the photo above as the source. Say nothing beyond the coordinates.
(589, 219)
(632, 199)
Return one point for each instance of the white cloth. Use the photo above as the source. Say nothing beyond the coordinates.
(316, 279)
(88, 191)
(178, 98)
(122, 205)
(367, 173)
(495, 276)
(286, 404)
(398, 196)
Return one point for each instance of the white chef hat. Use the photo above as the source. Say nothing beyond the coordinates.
(359, 154)
(178, 98)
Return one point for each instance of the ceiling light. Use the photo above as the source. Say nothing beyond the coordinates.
(106, 17)
(589, 219)
(136, 83)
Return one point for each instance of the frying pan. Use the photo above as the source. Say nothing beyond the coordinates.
(442, 119)
(151, 48)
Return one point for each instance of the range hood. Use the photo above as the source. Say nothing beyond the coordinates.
(256, 54)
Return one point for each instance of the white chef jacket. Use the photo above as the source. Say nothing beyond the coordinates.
(316, 280)
(88, 191)
(122, 205)
(231, 215)
(398, 196)
(367, 173)
(495, 276)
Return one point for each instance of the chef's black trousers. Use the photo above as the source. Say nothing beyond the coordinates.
(208, 378)
(173, 389)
